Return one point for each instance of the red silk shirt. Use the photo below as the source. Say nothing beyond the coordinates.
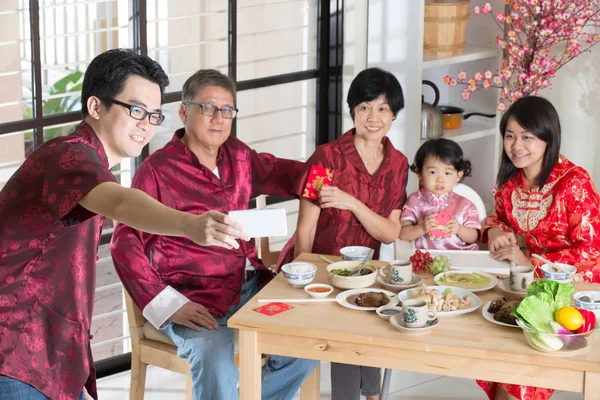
(560, 221)
(209, 275)
(48, 247)
(383, 192)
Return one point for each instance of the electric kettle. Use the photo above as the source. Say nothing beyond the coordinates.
(432, 121)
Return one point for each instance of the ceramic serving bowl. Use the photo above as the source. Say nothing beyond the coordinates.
(554, 274)
(318, 290)
(557, 343)
(299, 274)
(588, 300)
(351, 282)
(350, 253)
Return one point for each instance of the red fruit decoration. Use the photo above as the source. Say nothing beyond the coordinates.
(420, 260)
(589, 321)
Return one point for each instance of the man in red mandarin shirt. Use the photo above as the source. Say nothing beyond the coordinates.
(51, 215)
(190, 291)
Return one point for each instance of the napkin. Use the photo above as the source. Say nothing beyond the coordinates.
(273, 308)
(317, 178)
(440, 231)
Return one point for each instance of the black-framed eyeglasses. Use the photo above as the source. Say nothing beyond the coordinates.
(139, 113)
(209, 109)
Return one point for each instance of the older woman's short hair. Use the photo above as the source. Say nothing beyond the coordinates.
(204, 78)
(371, 84)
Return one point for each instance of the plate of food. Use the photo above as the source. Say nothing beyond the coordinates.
(447, 301)
(471, 280)
(498, 311)
(367, 299)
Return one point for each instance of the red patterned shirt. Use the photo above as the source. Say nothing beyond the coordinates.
(48, 247)
(560, 221)
(383, 192)
(209, 275)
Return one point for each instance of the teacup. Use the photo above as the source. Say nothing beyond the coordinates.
(520, 277)
(398, 271)
(416, 314)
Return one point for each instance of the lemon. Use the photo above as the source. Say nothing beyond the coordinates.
(569, 317)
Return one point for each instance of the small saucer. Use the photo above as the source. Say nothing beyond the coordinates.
(396, 321)
(504, 285)
(416, 280)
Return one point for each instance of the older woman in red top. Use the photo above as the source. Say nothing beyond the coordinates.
(545, 198)
(364, 202)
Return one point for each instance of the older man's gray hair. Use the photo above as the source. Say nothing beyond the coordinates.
(204, 78)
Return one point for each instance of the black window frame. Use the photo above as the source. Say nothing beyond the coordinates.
(328, 75)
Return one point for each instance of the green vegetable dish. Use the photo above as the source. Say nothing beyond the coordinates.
(348, 272)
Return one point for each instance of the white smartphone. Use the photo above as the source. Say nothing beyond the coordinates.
(269, 222)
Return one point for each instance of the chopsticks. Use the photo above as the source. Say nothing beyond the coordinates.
(553, 265)
(329, 260)
(333, 299)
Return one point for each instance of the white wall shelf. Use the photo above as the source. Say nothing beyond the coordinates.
(472, 53)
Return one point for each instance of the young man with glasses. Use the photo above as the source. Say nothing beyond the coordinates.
(204, 168)
(51, 215)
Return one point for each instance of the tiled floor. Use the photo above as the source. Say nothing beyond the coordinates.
(161, 385)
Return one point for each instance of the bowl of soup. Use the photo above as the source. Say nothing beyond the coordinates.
(565, 274)
(318, 290)
(341, 275)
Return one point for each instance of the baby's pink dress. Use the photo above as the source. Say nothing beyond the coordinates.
(422, 203)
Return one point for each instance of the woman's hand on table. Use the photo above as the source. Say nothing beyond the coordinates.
(333, 197)
(498, 238)
(510, 253)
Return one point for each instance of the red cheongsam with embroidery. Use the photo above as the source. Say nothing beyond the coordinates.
(560, 221)
(48, 247)
(383, 192)
(209, 275)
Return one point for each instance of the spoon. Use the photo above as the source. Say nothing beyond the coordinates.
(365, 261)
(588, 299)
(558, 267)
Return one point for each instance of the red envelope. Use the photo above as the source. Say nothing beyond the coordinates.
(442, 219)
(317, 178)
(273, 308)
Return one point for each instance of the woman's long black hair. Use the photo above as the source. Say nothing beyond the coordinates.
(537, 116)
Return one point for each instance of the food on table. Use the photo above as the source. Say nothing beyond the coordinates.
(446, 301)
(589, 321)
(350, 272)
(440, 264)
(470, 280)
(420, 260)
(569, 317)
(538, 312)
(318, 289)
(372, 299)
(502, 309)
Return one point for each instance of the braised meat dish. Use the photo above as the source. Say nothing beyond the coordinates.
(372, 299)
(503, 307)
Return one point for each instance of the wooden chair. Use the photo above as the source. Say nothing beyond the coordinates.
(150, 346)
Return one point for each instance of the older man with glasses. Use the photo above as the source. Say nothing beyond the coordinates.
(51, 215)
(188, 290)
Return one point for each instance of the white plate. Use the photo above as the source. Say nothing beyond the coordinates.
(493, 280)
(396, 321)
(490, 317)
(504, 285)
(416, 280)
(405, 295)
(342, 298)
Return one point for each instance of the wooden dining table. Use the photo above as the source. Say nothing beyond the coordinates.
(465, 346)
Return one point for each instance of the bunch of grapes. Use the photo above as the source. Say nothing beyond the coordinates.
(420, 260)
(440, 264)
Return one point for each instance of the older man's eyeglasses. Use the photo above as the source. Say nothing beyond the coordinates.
(139, 113)
(209, 110)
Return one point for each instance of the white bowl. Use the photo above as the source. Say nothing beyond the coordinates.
(594, 305)
(318, 295)
(350, 253)
(351, 282)
(551, 274)
(387, 311)
(299, 274)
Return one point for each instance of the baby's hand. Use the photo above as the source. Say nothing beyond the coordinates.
(452, 226)
(429, 223)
